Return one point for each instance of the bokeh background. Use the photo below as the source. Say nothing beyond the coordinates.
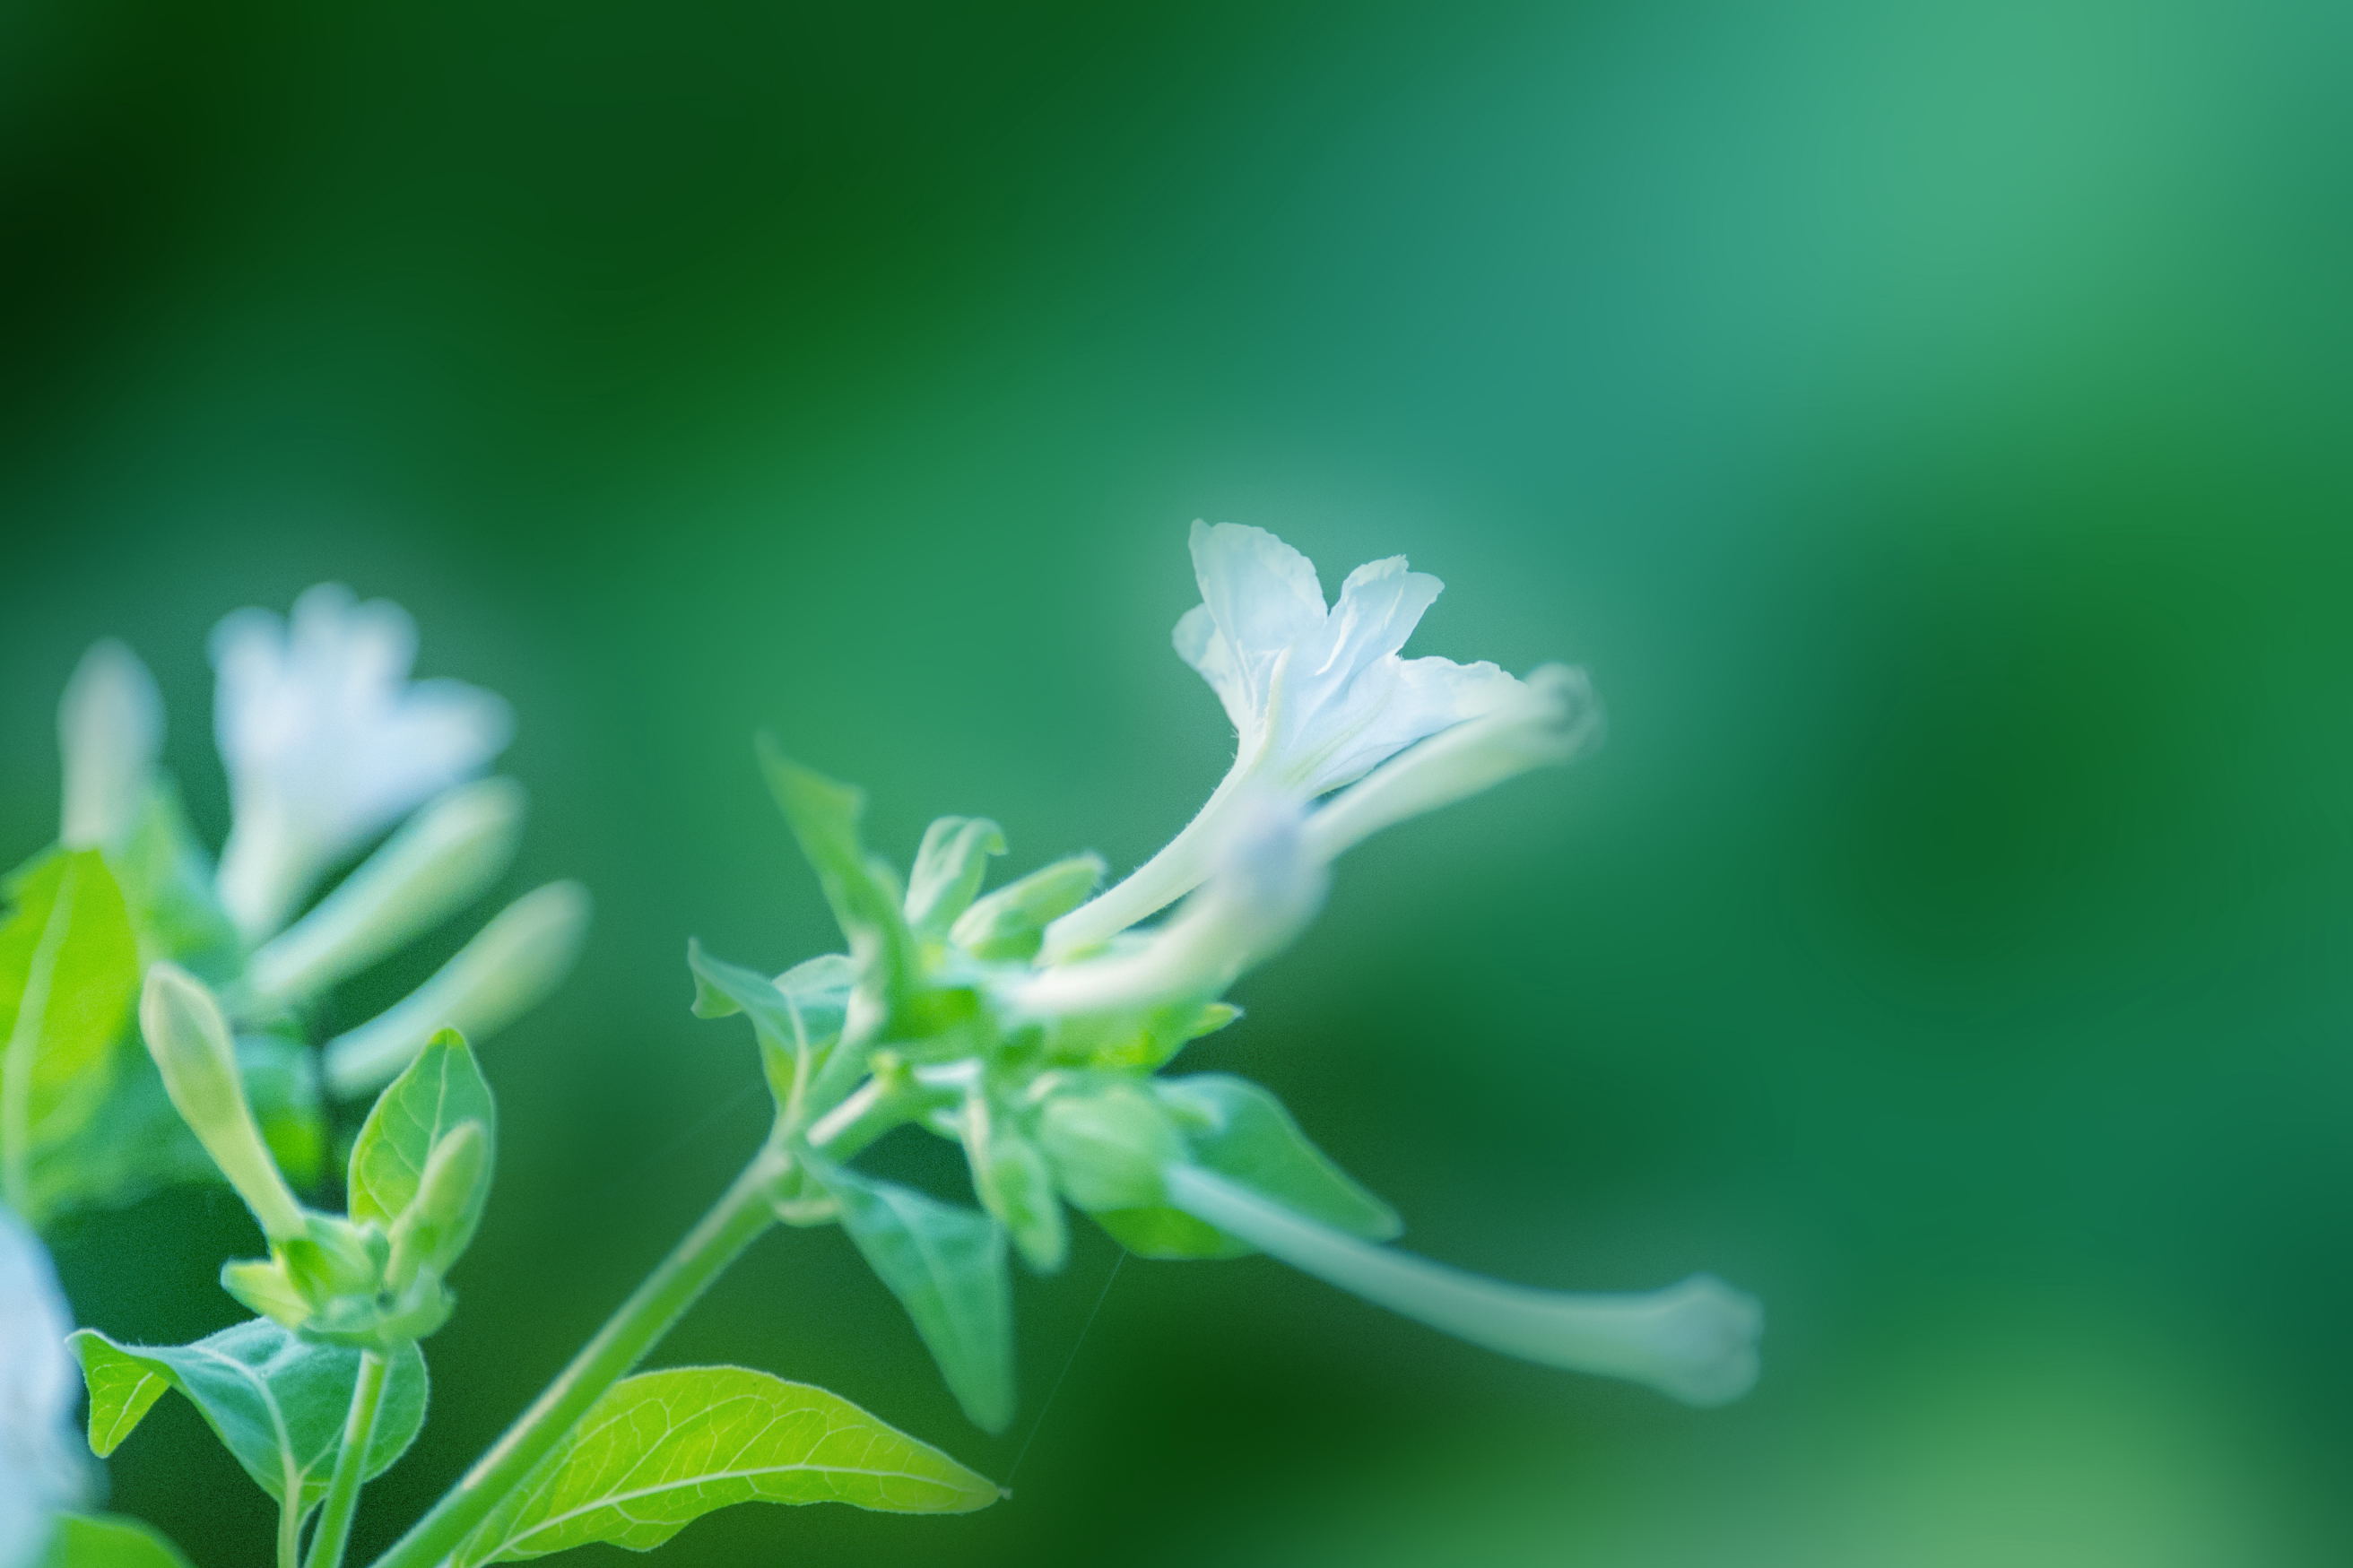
(1927, 422)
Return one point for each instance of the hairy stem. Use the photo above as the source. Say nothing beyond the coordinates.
(351, 1465)
(717, 1240)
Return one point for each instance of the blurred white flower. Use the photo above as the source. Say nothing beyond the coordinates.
(110, 731)
(40, 1469)
(328, 743)
(1318, 696)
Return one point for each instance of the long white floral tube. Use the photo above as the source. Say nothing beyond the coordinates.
(510, 966)
(39, 1469)
(440, 859)
(1695, 1341)
(109, 730)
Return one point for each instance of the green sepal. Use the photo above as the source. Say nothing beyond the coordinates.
(1107, 1141)
(109, 1540)
(660, 1449)
(946, 1265)
(277, 1401)
(68, 974)
(1009, 925)
(1136, 1042)
(1241, 1132)
(949, 868)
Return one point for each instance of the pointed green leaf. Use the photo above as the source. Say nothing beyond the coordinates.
(663, 1448)
(1241, 1132)
(434, 1095)
(109, 1540)
(276, 1402)
(68, 974)
(785, 1033)
(948, 871)
(947, 1267)
(860, 887)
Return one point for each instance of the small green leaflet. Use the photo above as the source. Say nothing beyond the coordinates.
(1242, 1132)
(862, 888)
(276, 1402)
(947, 1267)
(68, 974)
(663, 1448)
(434, 1096)
(787, 1037)
(109, 1540)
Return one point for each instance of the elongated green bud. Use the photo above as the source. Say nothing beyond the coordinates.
(1012, 1181)
(438, 1225)
(193, 1048)
(510, 966)
(1011, 923)
(110, 728)
(1695, 1341)
(442, 859)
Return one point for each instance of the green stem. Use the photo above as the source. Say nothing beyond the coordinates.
(290, 1529)
(351, 1465)
(717, 1240)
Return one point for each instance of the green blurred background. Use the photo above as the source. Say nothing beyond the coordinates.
(1926, 421)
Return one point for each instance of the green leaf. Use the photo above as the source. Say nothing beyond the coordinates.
(434, 1095)
(69, 973)
(661, 1449)
(787, 1039)
(167, 883)
(948, 871)
(862, 888)
(1242, 1132)
(109, 1540)
(947, 1267)
(277, 1403)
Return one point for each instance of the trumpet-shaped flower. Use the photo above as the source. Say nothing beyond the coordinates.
(328, 743)
(1319, 695)
(38, 1387)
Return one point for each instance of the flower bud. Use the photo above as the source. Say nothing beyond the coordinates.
(434, 1231)
(41, 1463)
(1013, 1183)
(1110, 1146)
(1552, 718)
(442, 859)
(1010, 924)
(110, 728)
(514, 961)
(192, 1047)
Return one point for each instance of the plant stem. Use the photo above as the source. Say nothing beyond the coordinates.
(290, 1530)
(351, 1465)
(717, 1240)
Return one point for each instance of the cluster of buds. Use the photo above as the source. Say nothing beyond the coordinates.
(419, 1178)
(1030, 1024)
(332, 754)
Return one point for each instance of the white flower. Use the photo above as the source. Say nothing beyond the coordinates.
(328, 743)
(109, 730)
(1552, 718)
(39, 1467)
(1263, 889)
(1318, 696)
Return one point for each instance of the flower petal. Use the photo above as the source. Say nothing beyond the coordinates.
(1262, 593)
